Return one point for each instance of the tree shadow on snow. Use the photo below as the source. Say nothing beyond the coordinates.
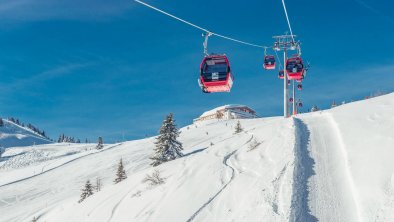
(303, 170)
(195, 151)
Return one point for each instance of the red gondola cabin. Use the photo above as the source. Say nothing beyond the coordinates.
(215, 74)
(269, 62)
(295, 68)
(281, 74)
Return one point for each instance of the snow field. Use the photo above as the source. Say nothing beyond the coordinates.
(334, 165)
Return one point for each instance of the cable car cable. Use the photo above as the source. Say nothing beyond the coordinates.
(288, 21)
(198, 27)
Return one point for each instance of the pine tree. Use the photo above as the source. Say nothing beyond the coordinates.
(314, 108)
(167, 146)
(34, 219)
(1, 122)
(120, 173)
(100, 143)
(238, 128)
(334, 104)
(2, 150)
(86, 191)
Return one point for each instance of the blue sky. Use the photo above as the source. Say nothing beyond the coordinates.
(112, 68)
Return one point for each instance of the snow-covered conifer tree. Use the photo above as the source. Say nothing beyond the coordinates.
(120, 173)
(238, 127)
(100, 143)
(86, 191)
(2, 150)
(334, 104)
(1, 122)
(167, 146)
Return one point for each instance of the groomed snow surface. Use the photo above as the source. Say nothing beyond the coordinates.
(334, 165)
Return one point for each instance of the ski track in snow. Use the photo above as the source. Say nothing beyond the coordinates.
(225, 159)
(117, 204)
(303, 170)
(63, 164)
(278, 183)
(323, 188)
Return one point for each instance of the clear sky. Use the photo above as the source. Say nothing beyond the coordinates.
(92, 68)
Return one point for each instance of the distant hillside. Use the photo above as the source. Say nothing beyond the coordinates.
(12, 134)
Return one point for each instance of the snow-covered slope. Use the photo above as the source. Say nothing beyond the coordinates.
(335, 165)
(13, 135)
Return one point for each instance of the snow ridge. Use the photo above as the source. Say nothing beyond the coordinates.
(347, 168)
(13, 135)
(331, 192)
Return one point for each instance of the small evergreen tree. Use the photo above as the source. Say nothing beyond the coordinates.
(11, 119)
(1, 122)
(167, 146)
(100, 143)
(62, 138)
(238, 128)
(120, 173)
(2, 150)
(334, 104)
(314, 108)
(86, 191)
(34, 219)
